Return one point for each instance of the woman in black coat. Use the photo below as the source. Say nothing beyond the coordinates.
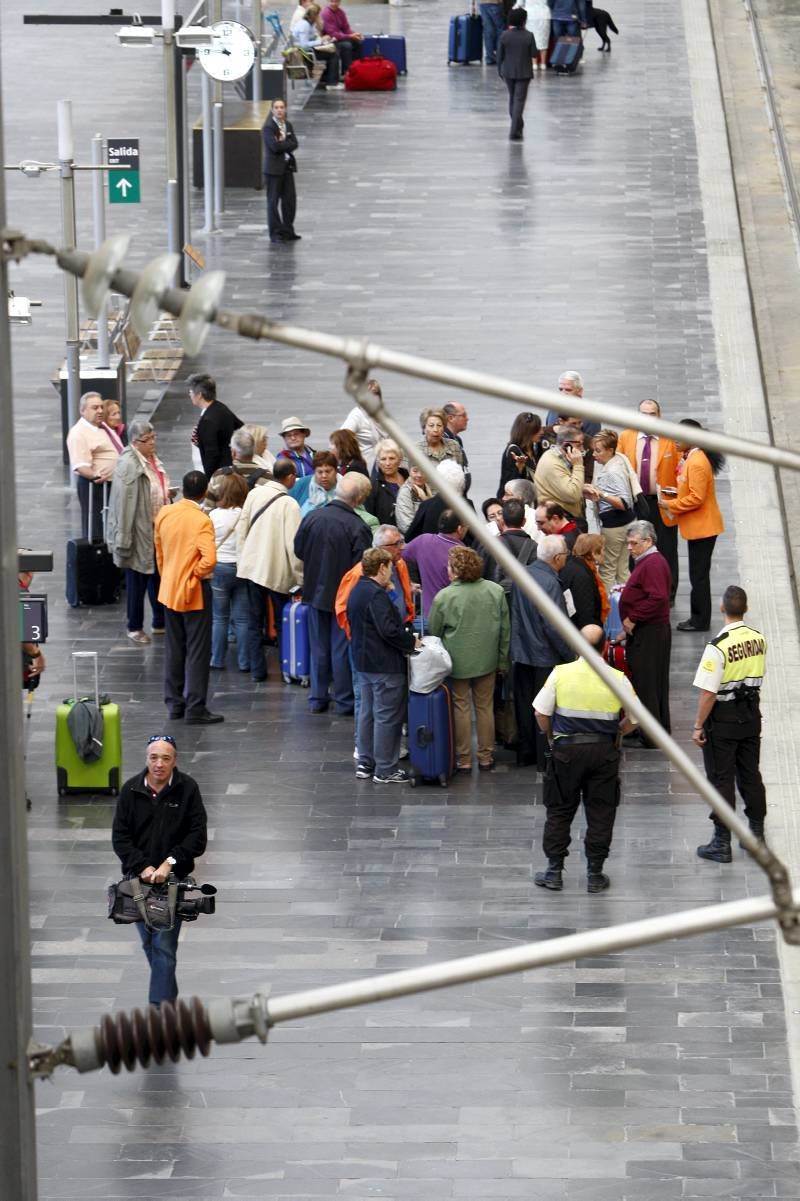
(579, 574)
(388, 478)
(519, 457)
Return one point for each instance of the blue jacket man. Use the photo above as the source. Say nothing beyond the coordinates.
(536, 647)
(380, 644)
(329, 542)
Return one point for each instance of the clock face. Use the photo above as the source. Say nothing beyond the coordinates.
(232, 54)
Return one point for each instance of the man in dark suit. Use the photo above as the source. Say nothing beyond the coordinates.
(216, 424)
(515, 53)
(280, 144)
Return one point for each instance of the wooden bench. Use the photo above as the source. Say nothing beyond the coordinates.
(243, 126)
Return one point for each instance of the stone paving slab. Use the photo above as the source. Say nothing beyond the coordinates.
(660, 1074)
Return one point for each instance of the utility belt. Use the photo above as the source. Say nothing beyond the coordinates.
(742, 704)
(583, 739)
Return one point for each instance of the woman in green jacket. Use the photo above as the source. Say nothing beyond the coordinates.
(471, 618)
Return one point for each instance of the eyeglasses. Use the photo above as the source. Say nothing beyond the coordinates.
(163, 738)
(565, 387)
(389, 545)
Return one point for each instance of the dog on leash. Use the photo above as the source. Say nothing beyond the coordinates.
(602, 22)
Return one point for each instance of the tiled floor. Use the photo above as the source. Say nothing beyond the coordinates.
(650, 1076)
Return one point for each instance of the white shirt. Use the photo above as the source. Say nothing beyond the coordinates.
(712, 665)
(650, 487)
(224, 520)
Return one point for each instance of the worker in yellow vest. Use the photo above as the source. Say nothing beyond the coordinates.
(728, 722)
(583, 721)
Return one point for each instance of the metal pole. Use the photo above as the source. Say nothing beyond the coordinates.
(219, 164)
(219, 131)
(234, 1019)
(66, 158)
(184, 65)
(173, 149)
(208, 158)
(99, 215)
(257, 26)
(371, 355)
(17, 1111)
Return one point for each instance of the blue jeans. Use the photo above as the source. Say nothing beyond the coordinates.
(137, 586)
(330, 661)
(380, 720)
(566, 29)
(161, 949)
(229, 603)
(356, 689)
(493, 26)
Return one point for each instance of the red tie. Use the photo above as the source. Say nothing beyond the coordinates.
(644, 467)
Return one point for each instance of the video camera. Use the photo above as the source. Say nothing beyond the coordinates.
(190, 907)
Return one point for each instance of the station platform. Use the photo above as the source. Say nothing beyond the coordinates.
(605, 243)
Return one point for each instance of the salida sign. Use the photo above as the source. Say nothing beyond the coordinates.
(123, 186)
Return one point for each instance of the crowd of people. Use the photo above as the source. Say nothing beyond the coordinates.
(370, 547)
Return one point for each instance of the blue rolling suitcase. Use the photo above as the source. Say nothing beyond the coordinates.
(465, 44)
(295, 649)
(566, 55)
(431, 734)
(386, 45)
(614, 628)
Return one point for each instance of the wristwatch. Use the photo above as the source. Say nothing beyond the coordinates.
(171, 860)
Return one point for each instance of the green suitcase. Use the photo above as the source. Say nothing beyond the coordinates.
(103, 774)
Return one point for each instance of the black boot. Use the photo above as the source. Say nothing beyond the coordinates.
(719, 849)
(552, 877)
(757, 828)
(596, 879)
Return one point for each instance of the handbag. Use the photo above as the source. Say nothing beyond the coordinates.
(639, 504)
(135, 901)
(430, 666)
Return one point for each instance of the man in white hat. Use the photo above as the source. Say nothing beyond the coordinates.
(294, 433)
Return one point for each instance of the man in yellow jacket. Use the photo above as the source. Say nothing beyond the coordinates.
(582, 720)
(186, 555)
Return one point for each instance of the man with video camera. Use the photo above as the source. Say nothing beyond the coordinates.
(159, 829)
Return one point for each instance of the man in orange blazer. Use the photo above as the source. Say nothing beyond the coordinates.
(660, 457)
(186, 555)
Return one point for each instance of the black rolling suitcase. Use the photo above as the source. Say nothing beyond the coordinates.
(566, 55)
(91, 576)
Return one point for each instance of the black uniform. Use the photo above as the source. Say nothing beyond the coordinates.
(732, 748)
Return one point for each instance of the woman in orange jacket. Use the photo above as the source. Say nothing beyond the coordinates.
(699, 520)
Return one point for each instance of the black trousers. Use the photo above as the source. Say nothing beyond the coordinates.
(347, 52)
(527, 682)
(700, 552)
(517, 95)
(187, 657)
(588, 773)
(89, 492)
(647, 651)
(666, 540)
(281, 204)
(731, 758)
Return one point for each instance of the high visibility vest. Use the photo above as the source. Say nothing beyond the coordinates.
(584, 704)
(744, 651)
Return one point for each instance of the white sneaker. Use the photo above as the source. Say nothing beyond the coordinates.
(139, 637)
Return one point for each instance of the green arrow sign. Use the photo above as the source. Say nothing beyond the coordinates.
(124, 186)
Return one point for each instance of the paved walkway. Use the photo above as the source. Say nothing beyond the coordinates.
(653, 1076)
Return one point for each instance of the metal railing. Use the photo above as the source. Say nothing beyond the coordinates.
(138, 1039)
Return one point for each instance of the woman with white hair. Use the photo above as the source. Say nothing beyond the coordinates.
(262, 457)
(388, 478)
(426, 518)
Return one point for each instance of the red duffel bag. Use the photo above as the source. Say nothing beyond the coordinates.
(374, 74)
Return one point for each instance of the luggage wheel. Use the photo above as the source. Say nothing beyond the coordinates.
(305, 682)
(286, 679)
(443, 781)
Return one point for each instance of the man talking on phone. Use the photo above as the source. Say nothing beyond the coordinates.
(560, 473)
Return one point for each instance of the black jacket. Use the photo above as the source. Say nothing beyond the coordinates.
(516, 541)
(577, 576)
(515, 51)
(533, 640)
(214, 436)
(381, 501)
(379, 640)
(146, 830)
(329, 541)
(278, 151)
(426, 518)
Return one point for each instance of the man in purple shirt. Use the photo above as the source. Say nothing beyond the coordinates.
(644, 609)
(429, 554)
(336, 25)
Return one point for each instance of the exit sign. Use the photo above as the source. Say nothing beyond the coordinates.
(123, 186)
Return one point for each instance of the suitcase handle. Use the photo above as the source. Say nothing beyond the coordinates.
(106, 486)
(85, 655)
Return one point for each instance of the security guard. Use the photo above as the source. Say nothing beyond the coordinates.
(728, 722)
(582, 720)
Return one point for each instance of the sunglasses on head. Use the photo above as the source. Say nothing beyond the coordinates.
(163, 738)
